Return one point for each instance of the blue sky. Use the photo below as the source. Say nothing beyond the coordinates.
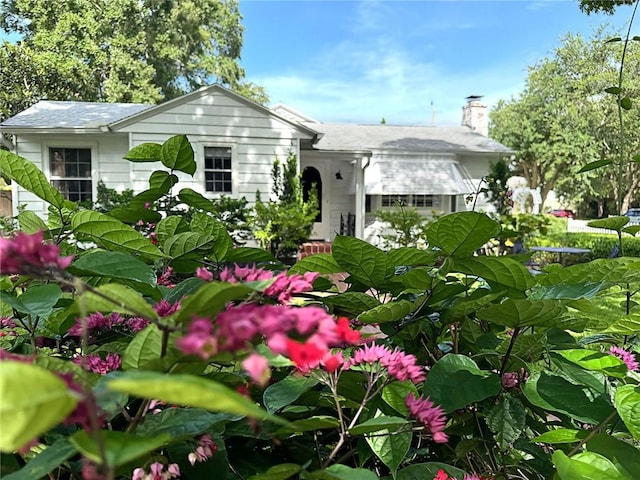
(359, 61)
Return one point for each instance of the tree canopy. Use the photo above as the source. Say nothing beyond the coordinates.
(119, 50)
(564, 120)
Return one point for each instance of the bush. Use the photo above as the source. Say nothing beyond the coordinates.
(601, 245)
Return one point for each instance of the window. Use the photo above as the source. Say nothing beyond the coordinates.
(71, 172)
(217, 169)
(418, 201)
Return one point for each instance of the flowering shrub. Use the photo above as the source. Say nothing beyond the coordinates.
(171, 354)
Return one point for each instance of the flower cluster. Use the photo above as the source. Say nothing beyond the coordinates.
(94, 363)
(164, 308)
(398, 364)
(627, 357)
(302, 334)
(157, 472)
(98, 322)
(442, 475)
(204, 451)
(282, 288)
(28, 254)
(430, 415)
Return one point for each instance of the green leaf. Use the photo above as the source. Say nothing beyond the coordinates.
(351, 304)
(561, 435)
(209, 300)
(33, 400)
(596, 361)
(223, 243)
(586, 466)
(278, 472)
(317, 422)
(593, 165)
(455, 381)
(461, 233)
(364, 262)
(188, 390)
(507, 420)
(613, 40)
(185, 287)
(501, 271)
(624, 455)
(181, 423)
(342, 472)
(627, 400)
(394, 394)
(119, 447)
(28, 176)
(566, 291)
(557, 394)
(383, 422)
(145, 152)
(250, 255)
(114, 265)
(196, 200)
(410, 257)
(113, 234)
(162, 181)
(119, 298)
(176, 153)
(387, 312)
(37, 301)
(170, 226)
(523, 313)
(43, 463)
(30, 222)
(626, 103)
(286, 391)
(613, 90)
(427, 471)
(422, 278)
(320, 262)
(610, 223)
(183, 244)
(390, 448)
(145, 347)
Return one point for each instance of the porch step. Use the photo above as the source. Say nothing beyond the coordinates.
(311, 248)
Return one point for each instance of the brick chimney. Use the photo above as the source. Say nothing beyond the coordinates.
(474, 115)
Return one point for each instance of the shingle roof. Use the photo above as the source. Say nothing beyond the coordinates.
(50, 114)
(348, 137)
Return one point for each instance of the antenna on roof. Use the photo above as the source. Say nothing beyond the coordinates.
(433, 114)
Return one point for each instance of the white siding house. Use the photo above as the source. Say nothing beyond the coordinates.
(358, 168)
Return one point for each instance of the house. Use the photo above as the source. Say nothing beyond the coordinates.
(358, 169)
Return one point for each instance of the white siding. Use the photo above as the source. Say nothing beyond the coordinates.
(218, 120)
(108, 165)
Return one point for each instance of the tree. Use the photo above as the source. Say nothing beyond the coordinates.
(564, 120)
(281, 225)
(119, 50)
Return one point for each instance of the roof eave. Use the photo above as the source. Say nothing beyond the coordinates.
(49, 130)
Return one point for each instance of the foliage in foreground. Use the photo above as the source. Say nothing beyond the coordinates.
(158, 360)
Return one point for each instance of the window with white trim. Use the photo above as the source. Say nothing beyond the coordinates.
(417, 201)
(217, 169)
(70, 172)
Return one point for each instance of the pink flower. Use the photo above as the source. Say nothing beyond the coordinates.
(164, 308)
(165, 278)
(95, 322)
(28, 254)
(403, 367)
(136, 324)
(7, 322)
(80, 414)
(430, 415)
(204, 451)
(510, 379)
(257, 367)
(627, 357)
(204, 274)
(200, 340)
(95, 364)
(441, 475)
(332, 362)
